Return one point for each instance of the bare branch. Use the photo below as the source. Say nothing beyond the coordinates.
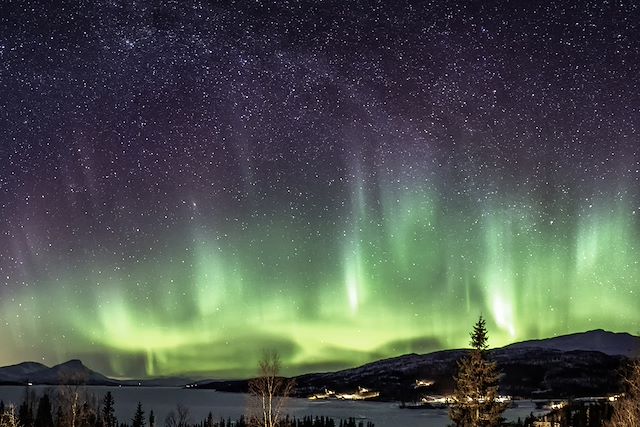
(268, 393)
(627, 410)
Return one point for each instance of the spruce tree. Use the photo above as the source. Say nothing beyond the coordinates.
(138, 418)
(44, 417)
(25, 414)
(476, 388)
(109, 411)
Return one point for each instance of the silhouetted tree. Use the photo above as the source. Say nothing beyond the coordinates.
(26, 409)
(178, 418)
(109, 411)
(152, 419)
(44, 417)
(476, 388)
(138, 417)
(25, 416)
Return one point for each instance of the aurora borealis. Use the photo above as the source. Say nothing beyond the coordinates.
(183, 185)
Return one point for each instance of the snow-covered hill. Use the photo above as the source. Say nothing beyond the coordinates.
(69, 372)
(611, 343)
(578, 364)
(584, 364)
(17, 373)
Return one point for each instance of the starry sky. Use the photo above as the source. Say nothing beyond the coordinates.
(186, 183)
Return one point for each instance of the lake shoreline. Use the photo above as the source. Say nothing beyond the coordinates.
(232, 405)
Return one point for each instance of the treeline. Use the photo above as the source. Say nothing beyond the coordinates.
(65, 406)
(575, 414)
(307, 421)
(74, 406)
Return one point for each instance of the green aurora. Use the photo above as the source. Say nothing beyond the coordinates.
(407, 276)
(184, 184)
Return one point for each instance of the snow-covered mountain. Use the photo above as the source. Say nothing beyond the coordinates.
(69, 372)
(17, 373)
(584, 364)
(611, 343)
(72, 371)
(578, 364)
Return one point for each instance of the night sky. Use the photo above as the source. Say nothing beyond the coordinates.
(183, 184)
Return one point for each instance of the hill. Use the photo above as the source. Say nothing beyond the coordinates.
(583, 364)
(614, 344)
(18, 373)
(69, 372)
(568, 366)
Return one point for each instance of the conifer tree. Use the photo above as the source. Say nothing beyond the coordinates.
(44, 417)
(26, 409)
(109, 411)
(138, 418)
(476, 390)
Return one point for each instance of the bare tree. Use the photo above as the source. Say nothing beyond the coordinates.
(627, 410)
(77, 406)
(178, 418)
(268, 392)
(8, 418)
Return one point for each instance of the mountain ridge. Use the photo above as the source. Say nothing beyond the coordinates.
(611, 343)
(596, 350)
(535, 368)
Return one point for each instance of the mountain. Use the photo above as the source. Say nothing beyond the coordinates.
(558, 367)
(72, 372)
(158, 382)
(614, 344)
(583, 364)
(69, 372)
(17, 373)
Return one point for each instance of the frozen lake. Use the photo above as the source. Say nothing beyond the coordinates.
(200, 402)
